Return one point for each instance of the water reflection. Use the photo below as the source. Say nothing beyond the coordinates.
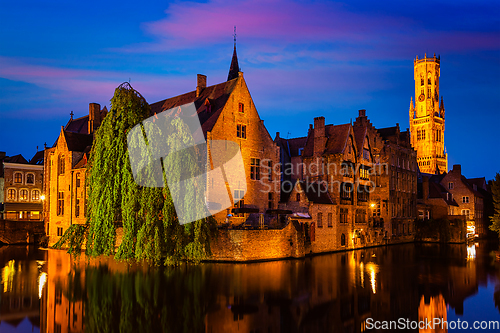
(336, 292)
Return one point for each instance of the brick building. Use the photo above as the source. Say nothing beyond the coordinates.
(396, 193)
(468, 197)
(227, 112)
(427, 117)
(21, 187)
(65, 166)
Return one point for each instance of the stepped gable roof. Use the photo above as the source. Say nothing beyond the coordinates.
(217, 96)
(37, 159)
(16, 159)
(471, 187)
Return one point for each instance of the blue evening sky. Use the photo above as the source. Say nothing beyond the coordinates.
(301, 59)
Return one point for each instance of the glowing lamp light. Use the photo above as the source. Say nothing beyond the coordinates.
(42, 197)
(372, 205)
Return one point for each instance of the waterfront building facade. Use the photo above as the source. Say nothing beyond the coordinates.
(21, 188)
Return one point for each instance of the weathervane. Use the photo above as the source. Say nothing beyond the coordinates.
(234, 35)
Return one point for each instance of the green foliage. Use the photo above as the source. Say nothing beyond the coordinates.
(495, 218)
(73, 238)
(151, 230)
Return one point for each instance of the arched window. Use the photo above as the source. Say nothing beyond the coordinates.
(342, 240)
(18, 178)
(23, 195)
(35, 195)
(30, 179)
(11, 194)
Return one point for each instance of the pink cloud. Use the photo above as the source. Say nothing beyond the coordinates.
(272, 26)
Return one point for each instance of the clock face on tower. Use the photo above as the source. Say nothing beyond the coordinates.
(421, 97)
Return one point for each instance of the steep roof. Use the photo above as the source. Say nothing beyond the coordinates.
(387, 132)
(359, 137)
(16, 159)
(37, 158)
(437, 191)
(76, 141)
(292, 146)
(316, 192)
(217, 96)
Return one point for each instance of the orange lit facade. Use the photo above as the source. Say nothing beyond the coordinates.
(427, 117)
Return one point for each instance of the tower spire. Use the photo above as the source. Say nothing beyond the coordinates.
(234, 68)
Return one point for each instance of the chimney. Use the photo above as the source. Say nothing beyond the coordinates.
(277, 135)
(457, 168)
(425, 188)
(94, 117)
(201, 84)
(319, 135)
(362, 113)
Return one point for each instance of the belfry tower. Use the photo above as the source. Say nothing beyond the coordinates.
(427, 117)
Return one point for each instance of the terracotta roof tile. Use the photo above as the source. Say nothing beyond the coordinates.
(217, 95)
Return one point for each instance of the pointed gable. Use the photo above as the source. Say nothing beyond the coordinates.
(217, 95)
(234, 68)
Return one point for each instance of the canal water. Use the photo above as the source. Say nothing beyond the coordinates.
(48, 291)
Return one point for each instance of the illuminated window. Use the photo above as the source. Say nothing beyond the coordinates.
(241, 108)
(11, 194)
(238, 200)
(23, 195)
(18, 178)
(35, 195)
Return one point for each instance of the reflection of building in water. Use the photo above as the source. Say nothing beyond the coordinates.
(325, 293)
(430, 310)
(19, 293)
(455, 281)
(62, 312)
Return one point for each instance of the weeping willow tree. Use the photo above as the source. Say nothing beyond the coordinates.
(151, 229)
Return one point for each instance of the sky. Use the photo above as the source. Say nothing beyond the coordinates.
(301, 59)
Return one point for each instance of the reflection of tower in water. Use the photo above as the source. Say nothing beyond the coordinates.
(429, 311)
